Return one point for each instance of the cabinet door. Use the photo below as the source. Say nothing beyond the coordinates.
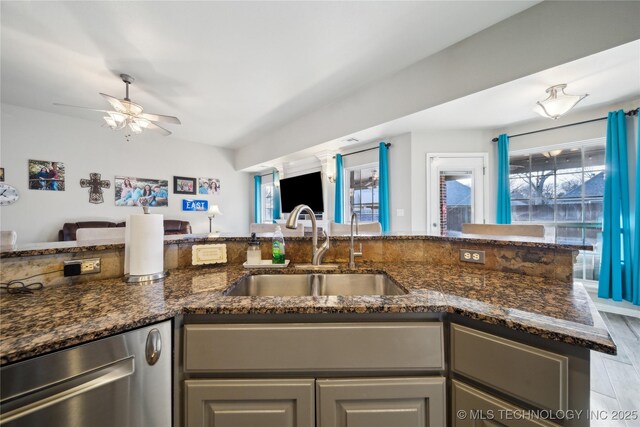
(381, 402)
(250, 403)
(474, 408)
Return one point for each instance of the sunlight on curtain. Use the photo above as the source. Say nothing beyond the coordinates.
(383, 198)
(337, 214)
(503, 210)
(635, 275)
(276, 195)
(257, 205)
(616, 268)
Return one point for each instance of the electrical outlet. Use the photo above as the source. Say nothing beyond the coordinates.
(468, 255)
(87, 266)
(90, 266)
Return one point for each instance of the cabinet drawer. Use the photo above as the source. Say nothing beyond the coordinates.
(234, 403)
(535, 376)
(381, 402)
(314, 347)
(474, 408)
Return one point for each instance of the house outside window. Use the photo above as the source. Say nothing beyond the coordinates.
(361, 196)
(266, 194)
(562, 187)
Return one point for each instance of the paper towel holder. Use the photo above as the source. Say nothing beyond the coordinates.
(145, 278)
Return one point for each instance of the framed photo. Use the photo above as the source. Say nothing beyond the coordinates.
(132, 191)
(208, 186)
(1, 174)
(184, 185)
(46, 175)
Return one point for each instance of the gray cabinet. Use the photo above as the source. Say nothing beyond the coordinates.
(381, 402)
(536, 376)
(305, 347)
(474, 408)
(249, 403)
(362, 402)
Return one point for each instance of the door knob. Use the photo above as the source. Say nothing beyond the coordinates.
(153, 347)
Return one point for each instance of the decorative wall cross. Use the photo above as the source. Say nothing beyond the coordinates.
(95, 185)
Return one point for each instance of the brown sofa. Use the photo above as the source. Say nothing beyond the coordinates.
(174, 226)
(69, 229)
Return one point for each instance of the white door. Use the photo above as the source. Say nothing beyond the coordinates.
(455, 191)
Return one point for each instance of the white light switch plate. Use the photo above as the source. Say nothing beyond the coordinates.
(399, 212)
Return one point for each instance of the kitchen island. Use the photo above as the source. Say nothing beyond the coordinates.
(546, 316)
(63, 316)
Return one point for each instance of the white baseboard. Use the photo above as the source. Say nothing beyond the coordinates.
(624, 308)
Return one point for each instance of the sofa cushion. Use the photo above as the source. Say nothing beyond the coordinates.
(174, 226)
(69, 229)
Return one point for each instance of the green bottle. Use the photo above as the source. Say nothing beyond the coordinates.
(277, 248)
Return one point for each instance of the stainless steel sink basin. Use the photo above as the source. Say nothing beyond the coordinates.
(315, 285)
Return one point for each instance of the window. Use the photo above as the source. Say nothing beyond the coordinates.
(562, 188)
(363, 193)
(266, 194)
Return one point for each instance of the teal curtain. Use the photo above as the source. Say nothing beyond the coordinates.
(276, 195)
(503, 210)
(616, 266)
(635, 275)
(257, 200)
(337, 213)
(383, 187)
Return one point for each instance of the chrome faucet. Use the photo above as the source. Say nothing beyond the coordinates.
(292, 222)
(352, 252)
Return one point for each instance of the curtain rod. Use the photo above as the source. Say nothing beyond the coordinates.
(388, 144)
(628, 113)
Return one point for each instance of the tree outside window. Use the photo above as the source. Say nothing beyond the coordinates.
(562, 188)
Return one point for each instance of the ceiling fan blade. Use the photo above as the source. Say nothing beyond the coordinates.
(115, 103)
(160, 129)
(77, 106)
(161, 118)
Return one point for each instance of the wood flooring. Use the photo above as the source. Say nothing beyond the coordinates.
(615, 380)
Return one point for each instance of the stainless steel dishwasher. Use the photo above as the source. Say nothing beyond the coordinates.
(123, 381)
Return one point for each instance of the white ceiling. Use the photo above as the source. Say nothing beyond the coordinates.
(226, 69)
(608, 77)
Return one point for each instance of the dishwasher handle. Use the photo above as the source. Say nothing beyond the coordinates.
(79, 384)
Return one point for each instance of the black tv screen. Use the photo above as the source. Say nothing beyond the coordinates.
(302, 190)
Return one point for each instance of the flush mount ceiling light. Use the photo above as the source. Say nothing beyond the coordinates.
(552, 153)
(558, 102)
(128, 115)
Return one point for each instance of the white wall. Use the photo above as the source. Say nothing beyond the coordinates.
(85, 147)
(399, 177)
(451, 141)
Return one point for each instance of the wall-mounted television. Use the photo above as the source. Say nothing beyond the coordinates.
(302, 190)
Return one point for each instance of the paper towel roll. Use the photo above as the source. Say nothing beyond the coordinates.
(144, 245)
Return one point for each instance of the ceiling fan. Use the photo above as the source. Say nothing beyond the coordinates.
(129, 115)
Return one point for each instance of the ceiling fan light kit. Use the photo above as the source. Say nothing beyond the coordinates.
(558, 102)
(128, 115)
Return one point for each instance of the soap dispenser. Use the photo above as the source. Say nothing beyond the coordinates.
(254, 257)
(277, 247)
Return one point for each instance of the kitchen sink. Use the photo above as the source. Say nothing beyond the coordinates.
(315, 285)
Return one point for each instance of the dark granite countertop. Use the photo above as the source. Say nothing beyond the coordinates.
(52, 248)
(65, 315)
